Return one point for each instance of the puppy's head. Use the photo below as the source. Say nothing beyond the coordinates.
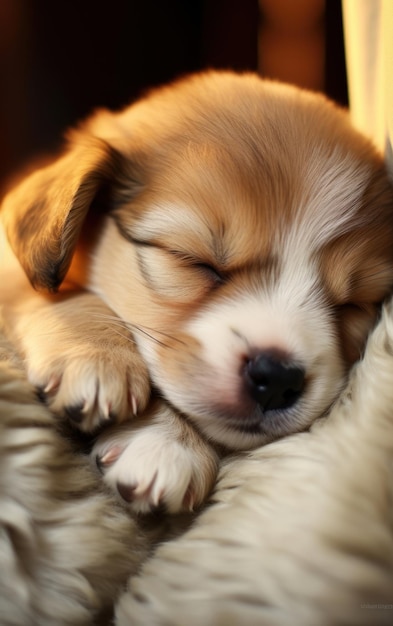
(247, 238)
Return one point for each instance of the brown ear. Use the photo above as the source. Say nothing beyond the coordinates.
(43, 215)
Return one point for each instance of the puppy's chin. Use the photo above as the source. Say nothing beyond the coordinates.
(253, 429)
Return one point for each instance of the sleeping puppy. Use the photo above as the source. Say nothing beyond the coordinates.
(225, 241)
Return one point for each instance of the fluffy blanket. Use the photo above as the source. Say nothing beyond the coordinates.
(299, 532)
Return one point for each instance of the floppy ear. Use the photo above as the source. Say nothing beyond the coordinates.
(43, 215)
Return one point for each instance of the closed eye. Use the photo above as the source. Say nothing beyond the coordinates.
(176, 274)
(208, 270)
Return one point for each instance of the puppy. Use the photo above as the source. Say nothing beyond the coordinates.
(227, 242)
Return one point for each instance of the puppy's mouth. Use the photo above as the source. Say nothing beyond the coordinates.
(263, 424)
(267, 404)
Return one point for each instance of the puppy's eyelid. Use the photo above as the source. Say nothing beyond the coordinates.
(210, 270)
(347, 307)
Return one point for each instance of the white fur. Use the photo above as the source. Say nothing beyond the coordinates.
(331, 195)
(300, 531)
(154, 465)
(168, 217)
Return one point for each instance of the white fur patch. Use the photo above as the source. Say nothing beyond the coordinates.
(167, 218)
(333, 195)
(289, 316)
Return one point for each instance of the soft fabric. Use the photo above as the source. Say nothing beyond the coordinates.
(298, 532)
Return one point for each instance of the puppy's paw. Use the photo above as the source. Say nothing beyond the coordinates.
(157, 465)
(95, 387)
(84, 361)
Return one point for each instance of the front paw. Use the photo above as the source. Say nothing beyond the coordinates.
(82, 359)
(161, 464)
(93, 387)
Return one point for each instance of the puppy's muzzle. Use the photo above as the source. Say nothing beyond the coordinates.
(273, 382)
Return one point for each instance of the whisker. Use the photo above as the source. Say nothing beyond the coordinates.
(142, 331)
(148, 332)
(128, 338)
(115, 322)
(161, 332)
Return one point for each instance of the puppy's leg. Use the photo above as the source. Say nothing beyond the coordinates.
(81, 358)
(158, 459)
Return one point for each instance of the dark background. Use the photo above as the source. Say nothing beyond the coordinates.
(59, 59)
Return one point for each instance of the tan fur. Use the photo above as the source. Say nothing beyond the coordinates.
(218, 218)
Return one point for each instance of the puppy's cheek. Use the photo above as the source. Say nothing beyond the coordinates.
(354, 325)
(173, 360)
(193, 384)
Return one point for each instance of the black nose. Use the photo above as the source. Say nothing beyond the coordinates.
(273, 382)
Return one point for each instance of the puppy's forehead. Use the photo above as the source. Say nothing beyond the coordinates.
(248, 169)
(237, 209)
(207, 198)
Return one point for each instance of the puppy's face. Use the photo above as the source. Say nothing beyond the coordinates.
(249, 248)
(253, 259)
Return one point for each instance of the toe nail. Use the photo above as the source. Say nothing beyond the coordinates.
(134, 405)
(53, 384)
(110, 456)
(189, 500)
(103, 462)
(107, 413)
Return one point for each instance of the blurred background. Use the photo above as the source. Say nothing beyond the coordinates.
(59, 59)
